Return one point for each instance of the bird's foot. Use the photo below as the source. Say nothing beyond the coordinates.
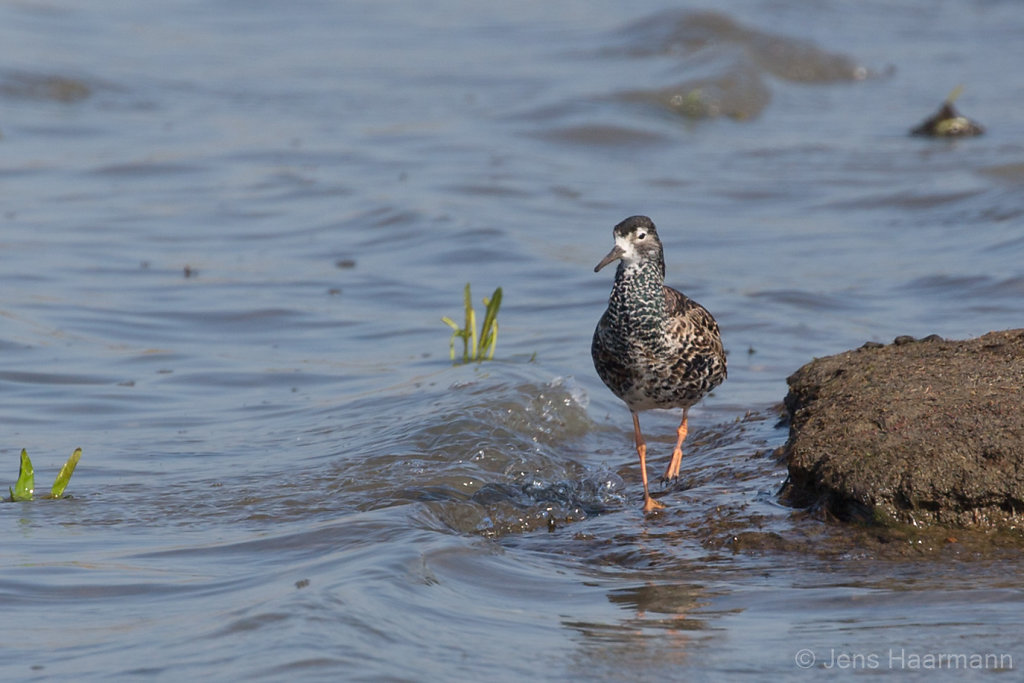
(651, 505)
(672, 471)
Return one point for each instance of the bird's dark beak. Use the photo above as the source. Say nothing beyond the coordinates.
(614, 254)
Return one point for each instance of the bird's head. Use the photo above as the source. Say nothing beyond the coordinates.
(636, 241)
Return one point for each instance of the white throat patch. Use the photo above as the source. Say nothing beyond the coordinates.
(630, 257)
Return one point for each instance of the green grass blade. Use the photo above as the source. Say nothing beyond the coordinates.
(476, 346)
(26, 485)
(64, 476)
(470, 328)
(489, 328)
(494, 341)
(457, 332)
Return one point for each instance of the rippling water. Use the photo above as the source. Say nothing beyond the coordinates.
(229, 232)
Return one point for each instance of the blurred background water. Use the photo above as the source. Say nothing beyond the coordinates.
(229, 231)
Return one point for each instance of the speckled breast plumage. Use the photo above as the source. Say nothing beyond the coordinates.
(654, 347)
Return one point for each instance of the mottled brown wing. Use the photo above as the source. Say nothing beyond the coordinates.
(693, 321)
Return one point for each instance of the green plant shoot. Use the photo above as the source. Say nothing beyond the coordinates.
(64, 476)
(26, 479)
(24, 489)
(476, 348)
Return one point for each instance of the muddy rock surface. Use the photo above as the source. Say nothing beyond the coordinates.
(920, 432)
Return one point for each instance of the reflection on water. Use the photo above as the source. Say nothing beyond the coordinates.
(228, 238)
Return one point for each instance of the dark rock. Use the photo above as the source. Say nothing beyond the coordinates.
(918, 432)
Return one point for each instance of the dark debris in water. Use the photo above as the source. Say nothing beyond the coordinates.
(947, 122)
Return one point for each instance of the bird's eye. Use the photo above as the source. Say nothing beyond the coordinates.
(641, 235)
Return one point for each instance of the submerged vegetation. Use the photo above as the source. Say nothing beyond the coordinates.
(24, 489)
(476, 348)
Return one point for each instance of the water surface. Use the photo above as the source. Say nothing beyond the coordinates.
(230, 231)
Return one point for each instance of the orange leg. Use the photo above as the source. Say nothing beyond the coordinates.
(677, 455)
(650, 504)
